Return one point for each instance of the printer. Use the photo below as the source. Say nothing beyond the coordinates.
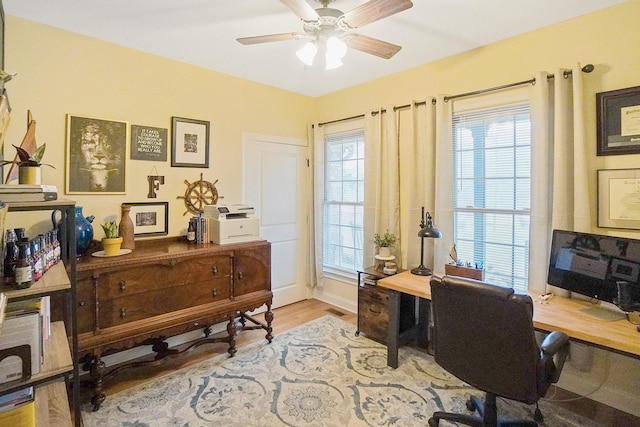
(232, 223)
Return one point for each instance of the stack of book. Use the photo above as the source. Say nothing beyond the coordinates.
(202, 226)
(17, 409)
(27, 193)
(26, 322)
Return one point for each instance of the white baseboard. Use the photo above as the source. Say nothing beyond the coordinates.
(337, 300)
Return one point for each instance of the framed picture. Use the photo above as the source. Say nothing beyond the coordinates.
(190, 143)
(618, 121)
(619, 198)
(96, 156)
(148, 143)
(149, 218)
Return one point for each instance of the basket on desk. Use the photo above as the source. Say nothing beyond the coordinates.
(460, 271)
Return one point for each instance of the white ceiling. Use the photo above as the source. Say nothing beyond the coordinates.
(204, 32)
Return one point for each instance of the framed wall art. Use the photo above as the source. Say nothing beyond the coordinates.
(190, 146)
(96, 156)
(148, 143)
(149, 218)
(619, 198)
(618, 121)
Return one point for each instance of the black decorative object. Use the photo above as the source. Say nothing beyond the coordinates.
(427, 229)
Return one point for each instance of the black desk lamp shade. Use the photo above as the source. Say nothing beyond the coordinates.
(427, 229)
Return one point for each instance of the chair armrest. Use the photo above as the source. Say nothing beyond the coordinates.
(553, 342)
(555, 348)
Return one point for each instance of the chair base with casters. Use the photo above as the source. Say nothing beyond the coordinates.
(487, 415)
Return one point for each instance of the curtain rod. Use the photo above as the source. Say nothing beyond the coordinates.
(586, 69)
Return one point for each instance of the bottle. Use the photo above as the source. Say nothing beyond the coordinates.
(19, 233)
(24, 265)
(56, 246)
(191, 232)
(38, 267)
(10, 257)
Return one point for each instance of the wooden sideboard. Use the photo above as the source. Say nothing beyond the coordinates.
(166, 287)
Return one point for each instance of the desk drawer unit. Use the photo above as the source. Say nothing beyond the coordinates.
(373, 309)
(373, 312)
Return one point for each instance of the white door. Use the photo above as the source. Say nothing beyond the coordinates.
(274, 183)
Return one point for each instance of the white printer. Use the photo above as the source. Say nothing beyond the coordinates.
(232, 223)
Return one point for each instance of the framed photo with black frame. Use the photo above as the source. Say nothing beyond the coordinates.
(190, 146)
(618, 121)
(619, 198)
(149, 218)
(96, 155)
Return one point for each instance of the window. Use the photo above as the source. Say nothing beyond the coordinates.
(492, 180)
(343, 201)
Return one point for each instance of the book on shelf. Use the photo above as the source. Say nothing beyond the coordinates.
(41, 305)
(18, 409)
(25, 188)
(21, 328)
(28, 197)
(15, 398)
(3, 306)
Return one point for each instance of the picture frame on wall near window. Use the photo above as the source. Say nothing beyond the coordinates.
(149, 218)
(190, 146)
(618, 196)
(618, 121)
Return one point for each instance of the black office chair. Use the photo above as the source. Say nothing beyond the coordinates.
(483, 334)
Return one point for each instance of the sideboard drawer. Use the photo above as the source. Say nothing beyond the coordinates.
(165, 274)
(124, 309)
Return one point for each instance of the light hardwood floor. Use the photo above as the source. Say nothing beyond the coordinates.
(304, 311)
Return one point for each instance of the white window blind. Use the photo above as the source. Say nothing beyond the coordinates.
(344, 201)
(492, 181)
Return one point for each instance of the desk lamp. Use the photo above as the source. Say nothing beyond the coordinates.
(427, 229)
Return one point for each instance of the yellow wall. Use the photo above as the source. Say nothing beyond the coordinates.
(60, 72)
(609, 40)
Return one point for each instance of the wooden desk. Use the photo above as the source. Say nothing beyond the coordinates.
(558, 314)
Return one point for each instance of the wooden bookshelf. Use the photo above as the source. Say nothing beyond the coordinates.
(60, 367)
(52, 405)
(57, 360)
(55, 279)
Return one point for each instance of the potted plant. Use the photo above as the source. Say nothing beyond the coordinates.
(111, 242)
(29, 171)
(384, 243)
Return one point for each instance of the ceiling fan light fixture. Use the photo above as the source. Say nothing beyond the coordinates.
(331, 62)
(336, 47)
(307, 53)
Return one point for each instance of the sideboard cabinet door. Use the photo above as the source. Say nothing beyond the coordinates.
(251, 268)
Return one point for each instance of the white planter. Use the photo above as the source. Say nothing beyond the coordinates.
(384, 251)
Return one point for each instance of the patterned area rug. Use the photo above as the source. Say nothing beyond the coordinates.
(318, 374)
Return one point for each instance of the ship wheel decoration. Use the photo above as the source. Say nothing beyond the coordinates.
(199, 194)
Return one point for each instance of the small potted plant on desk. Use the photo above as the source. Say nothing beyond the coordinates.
(384, 243)
(111, 242)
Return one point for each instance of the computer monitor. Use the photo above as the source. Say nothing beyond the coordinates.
(595, 265)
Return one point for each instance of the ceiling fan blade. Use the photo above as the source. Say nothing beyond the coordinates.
(271, 38)
(372, 46)
(302, 10)
(374, 10)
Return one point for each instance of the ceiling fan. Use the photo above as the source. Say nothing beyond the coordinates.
(330, 30)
